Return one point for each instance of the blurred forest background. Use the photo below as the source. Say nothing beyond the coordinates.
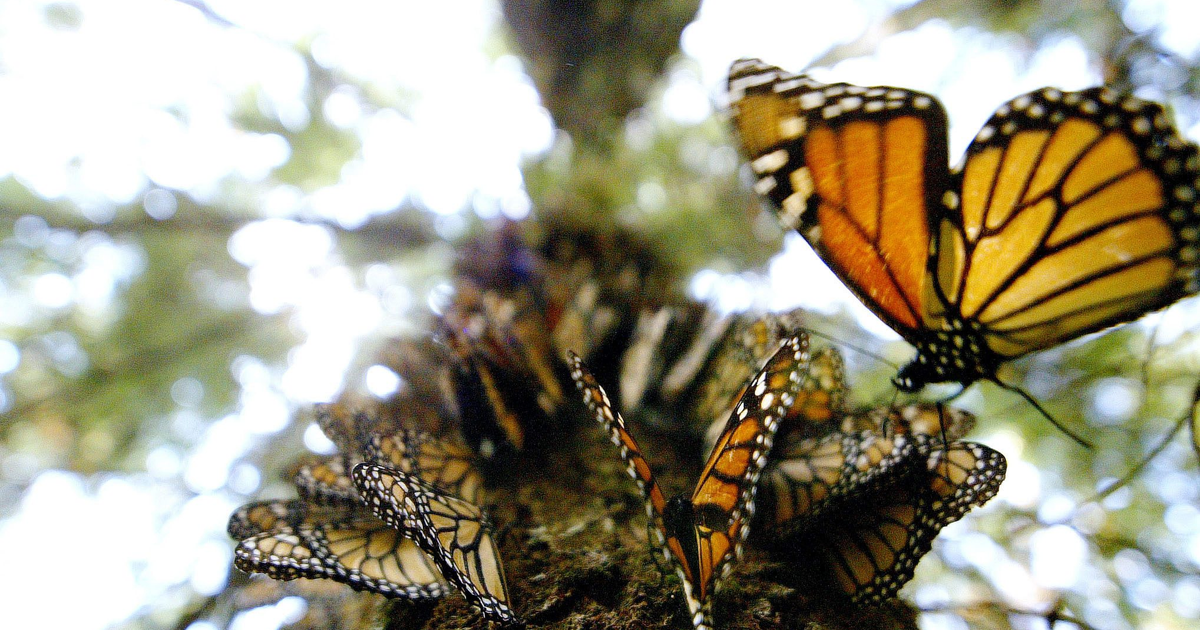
(213, 214)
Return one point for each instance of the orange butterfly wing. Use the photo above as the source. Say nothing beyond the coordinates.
(723, 500)
(859, 171)
(1073, 211)
(1077, 212)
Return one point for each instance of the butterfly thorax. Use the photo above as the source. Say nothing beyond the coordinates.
(958, 355)
(679, 521)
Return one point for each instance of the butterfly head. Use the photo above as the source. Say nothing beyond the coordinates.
(912, 377)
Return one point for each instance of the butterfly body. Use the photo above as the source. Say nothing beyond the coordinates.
(1070, 213)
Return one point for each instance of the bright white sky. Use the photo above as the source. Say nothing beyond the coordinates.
(136, 104)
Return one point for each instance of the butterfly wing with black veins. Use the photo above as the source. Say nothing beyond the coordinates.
(455, 533)
(369, 555)
(520, 326)
(347, 424)
(808, 475)
(948, 423)
(262, 516)
(820, 399)
(290, 539)
(490, 418)
(703, 534)
(327, 481)
(1071, 212)
(443, 463)
(752, 339)
(867, 550)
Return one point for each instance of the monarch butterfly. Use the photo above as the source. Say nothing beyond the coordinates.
(643, 361)
(1072, 211)
(949, 423)
(750, 340)
(261, 516)
(327, 481)
(504, 377)
(704, 533)
(871, 541)
(290, 539)
(817, 458)
(443, 463)
(511, 332)
(345, 424)
(808, 474)
(594, 286)
(495, 404)
(457, 534)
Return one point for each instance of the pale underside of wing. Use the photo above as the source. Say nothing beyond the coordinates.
(454, 532)
(466, 552)
(328, 481)
(282, 554)
(442, 463)
(811, 475)
(262, 516)
(368, 554)
(869, 549)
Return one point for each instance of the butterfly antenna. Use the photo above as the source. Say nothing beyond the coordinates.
(846, 344)
(1045, 414)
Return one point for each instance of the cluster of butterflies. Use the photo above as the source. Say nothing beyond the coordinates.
(1072, 212)
(400, 519)
(851, 500)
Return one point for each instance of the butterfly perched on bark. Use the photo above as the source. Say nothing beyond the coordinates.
(292, 539)
(455, 533)
(702, 534)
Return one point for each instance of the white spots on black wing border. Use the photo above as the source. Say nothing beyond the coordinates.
(426, 537)
(770, 162)
(749, 73)
(811, 100)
